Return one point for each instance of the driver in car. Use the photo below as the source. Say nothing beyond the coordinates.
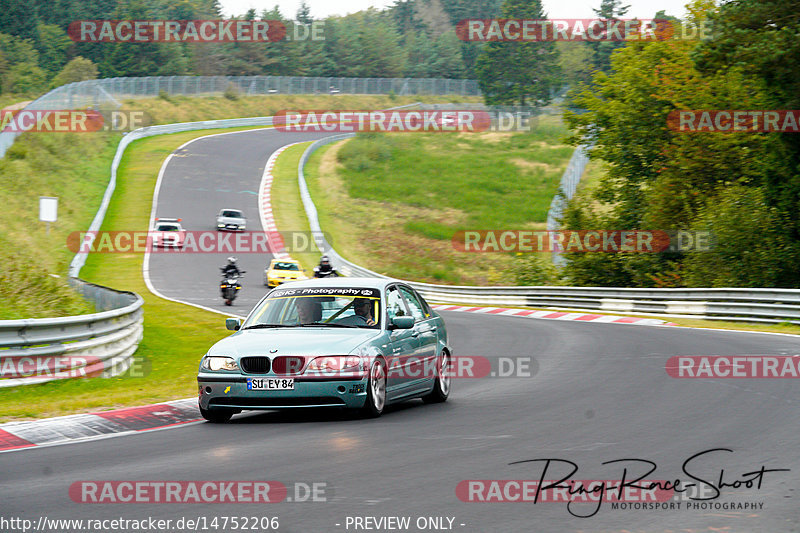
(362, 307)
(308, 310)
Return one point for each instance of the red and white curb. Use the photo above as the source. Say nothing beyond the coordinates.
(93, 426)
(276, 244)
(553, 315)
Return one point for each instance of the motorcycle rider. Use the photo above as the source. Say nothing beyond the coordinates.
(325, 268)
(231, 270)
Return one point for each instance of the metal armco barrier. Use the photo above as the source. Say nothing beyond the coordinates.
(97, 344)
(750, 305)
(80, 258)
(37, 350)
(107, 93)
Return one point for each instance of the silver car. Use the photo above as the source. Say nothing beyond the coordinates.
(231, 220)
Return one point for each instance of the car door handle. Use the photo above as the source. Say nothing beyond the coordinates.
(415, 334)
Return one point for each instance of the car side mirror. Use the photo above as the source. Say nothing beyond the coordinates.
(233, 324)
(403, 322)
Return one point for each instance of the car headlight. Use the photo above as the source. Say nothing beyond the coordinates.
(220, 225)
(335, 363)
(219, 363)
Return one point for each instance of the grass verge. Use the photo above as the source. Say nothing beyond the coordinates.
(287, 207)
(176, 335)
(74, 167)
(393, 202)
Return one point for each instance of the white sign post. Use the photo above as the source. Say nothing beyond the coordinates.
(48, 210)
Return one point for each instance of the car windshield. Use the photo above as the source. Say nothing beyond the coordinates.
(352, 307)
(168, 227)
(230, 213)
(285, 266)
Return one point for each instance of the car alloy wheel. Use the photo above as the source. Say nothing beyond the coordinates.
(441, 387)
(376, 390)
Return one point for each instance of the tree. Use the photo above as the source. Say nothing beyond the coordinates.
(518, 72)
(17, 50)
(25, 78)
(18, 17)
(602, 50)
(304, 14)
(742, 256)
(761, 38)
(657, 178)
(575, 62)
(79, 69)
(54, 47)
(405, 19)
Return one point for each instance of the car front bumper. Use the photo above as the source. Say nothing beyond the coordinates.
(220, 391)
(230, 227)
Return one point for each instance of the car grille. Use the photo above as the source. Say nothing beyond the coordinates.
(255, 365)
(287, 365)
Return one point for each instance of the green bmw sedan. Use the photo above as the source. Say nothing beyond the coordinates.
(358, 343)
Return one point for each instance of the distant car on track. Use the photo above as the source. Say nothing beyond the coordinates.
(358, 343)
(282, 270)
(231, 220)
(168, 232)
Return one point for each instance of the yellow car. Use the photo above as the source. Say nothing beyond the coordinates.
(283, 270)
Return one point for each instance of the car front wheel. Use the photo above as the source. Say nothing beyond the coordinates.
(376, 390)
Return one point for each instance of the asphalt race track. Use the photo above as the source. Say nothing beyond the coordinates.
(596, 393)
(211, 173)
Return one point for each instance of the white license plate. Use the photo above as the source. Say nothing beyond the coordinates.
(270, 383)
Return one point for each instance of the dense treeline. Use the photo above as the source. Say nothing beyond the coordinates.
(413, 38)
(743, 187)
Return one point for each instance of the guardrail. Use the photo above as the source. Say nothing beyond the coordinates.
(98, 344)
(750, 305)
(38, 350)
(107, 92)
(80, 258)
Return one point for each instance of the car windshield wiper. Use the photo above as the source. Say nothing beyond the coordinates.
(265, 326)
(328, 324)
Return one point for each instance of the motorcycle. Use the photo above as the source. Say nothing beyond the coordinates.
(327, 274)
(230, 286)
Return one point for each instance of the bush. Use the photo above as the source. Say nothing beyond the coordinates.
(365, 151)
(232, 92)
(79, 69)
(25, 78)
(535, 269)
(751, 245)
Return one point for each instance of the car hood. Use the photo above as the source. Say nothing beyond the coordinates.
(293, 341)
(293, 274)
(230, 220)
